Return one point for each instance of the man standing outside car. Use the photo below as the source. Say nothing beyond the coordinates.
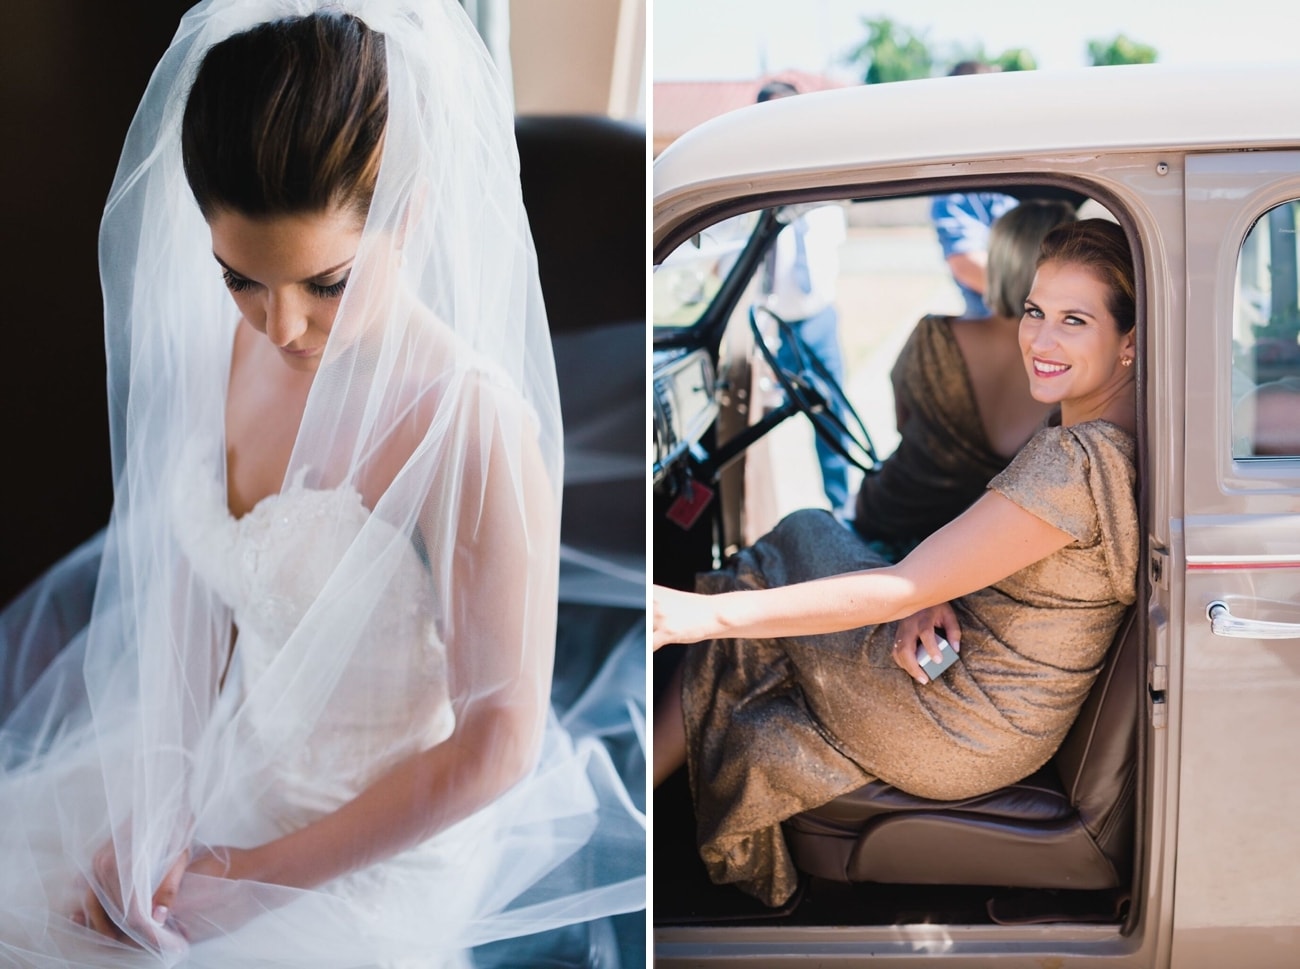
(797, 282)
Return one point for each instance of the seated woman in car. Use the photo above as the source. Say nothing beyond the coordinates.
(806, 683)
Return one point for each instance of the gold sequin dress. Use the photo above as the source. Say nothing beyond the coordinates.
(779, 726)
(943, 460)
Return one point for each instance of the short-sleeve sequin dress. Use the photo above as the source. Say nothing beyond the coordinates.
(779, 726)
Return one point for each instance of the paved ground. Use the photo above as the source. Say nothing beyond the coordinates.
(891, 276)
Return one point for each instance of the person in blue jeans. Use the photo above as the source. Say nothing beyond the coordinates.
(797, 282)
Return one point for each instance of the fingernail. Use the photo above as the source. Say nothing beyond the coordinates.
(160, 914)
(956, 647)
(922, 680)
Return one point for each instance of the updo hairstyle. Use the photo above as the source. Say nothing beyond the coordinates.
(288, 118)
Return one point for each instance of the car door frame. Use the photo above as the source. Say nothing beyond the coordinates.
(1144, 189)
(1238, 542)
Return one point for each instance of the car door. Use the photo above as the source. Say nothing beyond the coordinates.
(1237, 883)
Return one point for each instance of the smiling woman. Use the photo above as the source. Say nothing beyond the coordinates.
(1079, 319)
(808, 681)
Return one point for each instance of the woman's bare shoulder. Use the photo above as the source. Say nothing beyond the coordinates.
(447, 389)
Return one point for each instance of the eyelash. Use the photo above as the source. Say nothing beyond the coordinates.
(238, 284)
(332, 291)
(1034, 313)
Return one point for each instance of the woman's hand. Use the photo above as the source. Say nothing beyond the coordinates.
(158, 927)
(683, 617)
(916, 632)
(151, 926)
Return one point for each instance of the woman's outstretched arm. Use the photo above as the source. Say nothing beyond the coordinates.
(992, 539)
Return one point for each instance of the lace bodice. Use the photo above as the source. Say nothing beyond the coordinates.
(284, 569)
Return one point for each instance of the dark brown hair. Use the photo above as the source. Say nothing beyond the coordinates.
(1102, 247)
(775, 89)
(962, 68)
(288, 118)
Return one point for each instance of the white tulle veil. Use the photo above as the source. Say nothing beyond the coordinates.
(438, 377)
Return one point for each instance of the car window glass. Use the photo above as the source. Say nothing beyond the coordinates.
(880, 264)
(688, 279)
(1266, 352)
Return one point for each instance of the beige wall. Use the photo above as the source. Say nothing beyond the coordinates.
(578, 56)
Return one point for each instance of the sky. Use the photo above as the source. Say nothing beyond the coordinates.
(741, 39)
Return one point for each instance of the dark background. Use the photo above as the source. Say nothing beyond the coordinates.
(71, 75)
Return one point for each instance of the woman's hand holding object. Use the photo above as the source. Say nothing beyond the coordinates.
(158, 928)
(917, 632)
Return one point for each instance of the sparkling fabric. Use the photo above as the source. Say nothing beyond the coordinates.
(943, 460)
(776, 727)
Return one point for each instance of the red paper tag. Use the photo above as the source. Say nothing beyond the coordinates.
(687, 508)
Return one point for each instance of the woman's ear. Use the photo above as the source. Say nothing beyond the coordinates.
(411, 214)
(1128, 348)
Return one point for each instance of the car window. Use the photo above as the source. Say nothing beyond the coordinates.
(688, 279)
(880, 263)
(1266, 351)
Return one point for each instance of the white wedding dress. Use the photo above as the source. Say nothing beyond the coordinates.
(268, 567)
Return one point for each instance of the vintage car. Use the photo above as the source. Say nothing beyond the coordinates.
(1163, 832)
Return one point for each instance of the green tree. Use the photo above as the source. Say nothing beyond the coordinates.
(1120, 50)
(891, 52)
(1016, 59)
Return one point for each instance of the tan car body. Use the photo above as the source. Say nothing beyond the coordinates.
(1187, 159)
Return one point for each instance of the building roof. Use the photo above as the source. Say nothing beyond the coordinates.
(681, 105)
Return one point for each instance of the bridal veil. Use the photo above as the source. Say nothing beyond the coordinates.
(365, 634)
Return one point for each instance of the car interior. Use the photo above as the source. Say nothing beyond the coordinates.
(1062, 845)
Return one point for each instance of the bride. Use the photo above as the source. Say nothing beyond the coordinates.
(303, 716)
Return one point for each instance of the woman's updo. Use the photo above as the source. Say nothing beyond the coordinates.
(1102, 247)
(288, 118)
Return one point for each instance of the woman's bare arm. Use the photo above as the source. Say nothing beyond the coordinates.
(500, 654)
(993, 539)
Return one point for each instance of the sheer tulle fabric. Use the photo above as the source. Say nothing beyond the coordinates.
(367, 630)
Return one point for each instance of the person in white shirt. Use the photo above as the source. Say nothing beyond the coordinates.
(797, 281)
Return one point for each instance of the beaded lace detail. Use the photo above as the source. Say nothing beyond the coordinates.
(274, 568)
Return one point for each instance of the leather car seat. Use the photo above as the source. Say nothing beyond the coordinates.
(584, 184)
(584, 179)
(1067, 826)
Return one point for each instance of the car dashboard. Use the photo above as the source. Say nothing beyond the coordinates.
(685, 405)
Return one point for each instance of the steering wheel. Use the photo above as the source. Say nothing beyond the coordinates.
(816, 392)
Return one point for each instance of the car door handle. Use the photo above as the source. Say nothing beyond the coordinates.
(1224, 623)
